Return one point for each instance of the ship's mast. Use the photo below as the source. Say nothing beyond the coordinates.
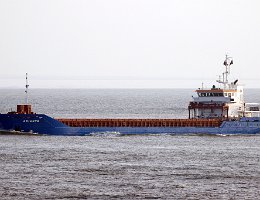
(228, 61)
(26, 89)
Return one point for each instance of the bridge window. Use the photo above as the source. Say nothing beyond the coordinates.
(201, 94)
(254, 108)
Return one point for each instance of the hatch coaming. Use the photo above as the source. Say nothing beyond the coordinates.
(140, 122)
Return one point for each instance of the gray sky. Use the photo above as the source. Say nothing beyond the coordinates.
(127, 43)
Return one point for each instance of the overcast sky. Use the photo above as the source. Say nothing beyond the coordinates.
(128, 43)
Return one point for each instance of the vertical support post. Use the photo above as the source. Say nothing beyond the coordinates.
(227, 113)
(222, 111)
(26, 89)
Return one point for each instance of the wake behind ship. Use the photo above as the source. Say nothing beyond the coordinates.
(215, 110)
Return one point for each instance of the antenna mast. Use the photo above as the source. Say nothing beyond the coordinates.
(26, 88)
(228, 61)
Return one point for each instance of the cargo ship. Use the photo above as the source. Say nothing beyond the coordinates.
(215, 110)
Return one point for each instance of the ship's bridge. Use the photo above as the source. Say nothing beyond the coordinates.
(211, 95)
(229, 95)
(210, 103)
(214, 92)
(217, 102)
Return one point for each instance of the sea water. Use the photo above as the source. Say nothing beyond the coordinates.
(124, 167)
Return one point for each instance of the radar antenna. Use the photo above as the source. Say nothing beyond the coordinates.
(26, 88)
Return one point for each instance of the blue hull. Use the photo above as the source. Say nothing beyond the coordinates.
(42, 124)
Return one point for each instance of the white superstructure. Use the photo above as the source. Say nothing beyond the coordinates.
(223, 102)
